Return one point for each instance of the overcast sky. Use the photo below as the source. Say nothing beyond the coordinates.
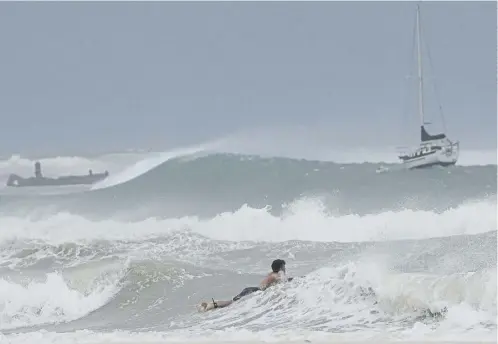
(94, 77)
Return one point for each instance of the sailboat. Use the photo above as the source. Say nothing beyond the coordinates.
(434, 150)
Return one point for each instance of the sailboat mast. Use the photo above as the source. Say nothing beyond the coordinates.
(420, 71)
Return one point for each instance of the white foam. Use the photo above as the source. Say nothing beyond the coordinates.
(305, 219)
(144, 166)
(337, 298)
(460, 293)
(52, 300)
(330, 298)
(236, 337)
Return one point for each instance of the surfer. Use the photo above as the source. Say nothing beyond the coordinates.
(275, 276)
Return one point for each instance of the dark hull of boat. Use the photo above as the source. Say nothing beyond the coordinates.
(17, 181)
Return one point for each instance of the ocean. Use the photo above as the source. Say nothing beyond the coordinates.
(379, 252)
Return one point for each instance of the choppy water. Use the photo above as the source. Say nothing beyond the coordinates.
(132, 256)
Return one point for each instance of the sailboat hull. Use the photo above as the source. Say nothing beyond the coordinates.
(424, 158)
(428, 164)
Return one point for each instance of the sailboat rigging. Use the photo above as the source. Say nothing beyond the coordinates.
(435, 149)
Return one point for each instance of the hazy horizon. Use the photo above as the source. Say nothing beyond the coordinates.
(101, 77)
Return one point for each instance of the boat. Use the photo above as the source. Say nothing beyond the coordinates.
(15, 180)
(433, 150)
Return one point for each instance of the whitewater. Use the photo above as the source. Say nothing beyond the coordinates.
(380, 253)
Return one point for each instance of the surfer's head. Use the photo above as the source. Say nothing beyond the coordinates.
(278, 265)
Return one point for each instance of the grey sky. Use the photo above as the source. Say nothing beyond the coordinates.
(107, 76)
